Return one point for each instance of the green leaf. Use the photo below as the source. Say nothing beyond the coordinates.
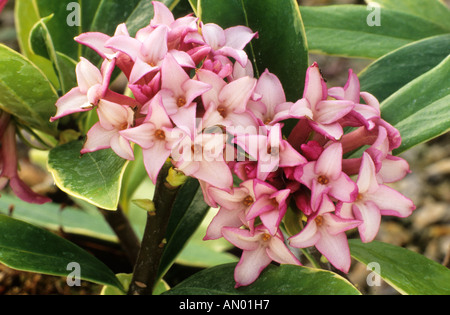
(41, 43)
(51, 217)
(204, 254)
(394, 70)
(420, 110)
(143, 13)
(281, 45)
(26, 92)
(431, 10)
(187, 214)
(406, 271)
(281, 280)
(25, 17)
(28, 248)
(342, 30)
(94, 177)
(225, 13)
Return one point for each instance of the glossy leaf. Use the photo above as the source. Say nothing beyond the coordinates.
(281, 45)
(274, 280)
(406, 271)
(420, 110)
(204, 254)
(95, 177)
(394, 70)
(42, 44)
(29, 248)
(342, 30)
(51, 217)
(25, 17)
(26, 92)
(188, 212)
(432, 10)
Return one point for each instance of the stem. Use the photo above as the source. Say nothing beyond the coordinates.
(145, 272)
(125, 233)
(311, 259)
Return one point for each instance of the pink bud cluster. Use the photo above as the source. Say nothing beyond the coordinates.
(197, 102)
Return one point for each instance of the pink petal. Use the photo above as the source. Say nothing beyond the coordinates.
(308, 237)
(224, 218)
(240, 238)
(328, 112)
(336, 225)
(88, 75)
(125, 44)
(121, 147)
(238, 37)
(140, 69)
(370, 216)
(278, 252)
(393, 169)
(391, 202)
(329, 163)
(250, 266)
(95, 41)
(72, 102)
(214, 35)
(315, 90)
(367, 181)
(154, 159)
(98, 138)
(344, 189)
(154, 48)
(162, 15)
(335, 249)
(236, 94)
(143, 135)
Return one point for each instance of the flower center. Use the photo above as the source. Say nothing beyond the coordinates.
(266, 237)
(274, 151)
(359, 197)
(319, 220)
(196, 149)
(160, 134)
(222, 111)
(323, 180)
(248, 201)
(267, 121)
(181, 101)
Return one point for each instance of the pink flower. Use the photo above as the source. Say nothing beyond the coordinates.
(326, 231)
(259, 250)
(325, 176)
(269, 150)
(178, 92)
(233, 210)
(226, 104)
(373, 201)
(272, 107)
(229, 42)
(156, 136)
(325, 113)
(202, 158)
(270, 205)
(92, 86)
(365, 114)
(106, 133)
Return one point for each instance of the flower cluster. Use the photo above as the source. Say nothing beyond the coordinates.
(196, 102)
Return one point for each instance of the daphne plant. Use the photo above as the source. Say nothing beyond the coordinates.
(222, 110)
